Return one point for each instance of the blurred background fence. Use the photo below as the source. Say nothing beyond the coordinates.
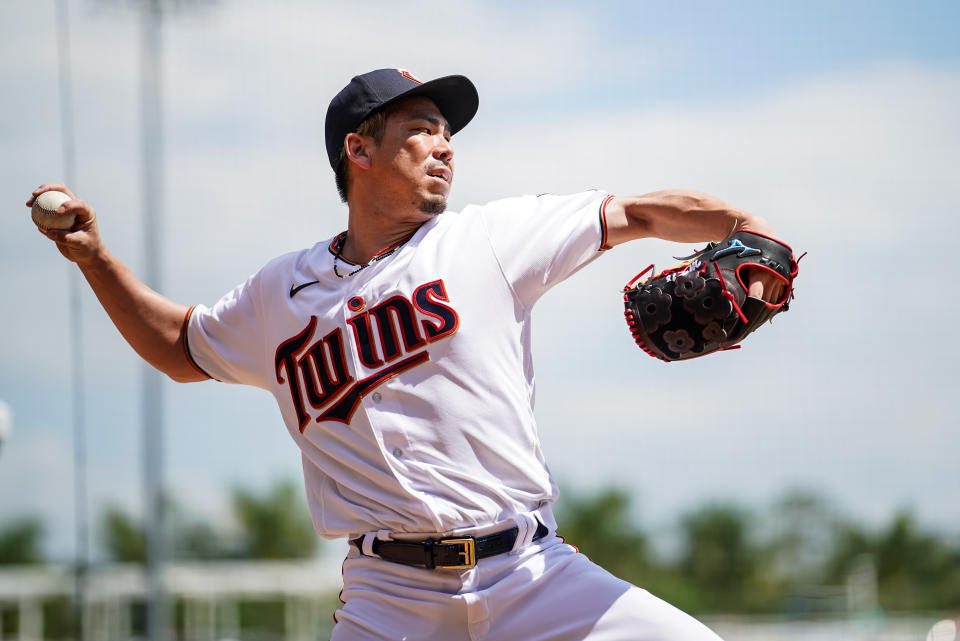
(294, 600)
(798, 569)
(290, 600)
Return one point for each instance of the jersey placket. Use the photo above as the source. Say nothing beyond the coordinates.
(377, 404)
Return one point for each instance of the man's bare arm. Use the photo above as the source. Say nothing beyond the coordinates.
(151, 324)
(677, 215)
(687, 217)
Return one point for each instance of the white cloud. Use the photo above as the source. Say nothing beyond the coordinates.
(865, 154)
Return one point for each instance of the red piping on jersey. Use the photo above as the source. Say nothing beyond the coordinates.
(603, 224)
(340, 595)
(186, 346)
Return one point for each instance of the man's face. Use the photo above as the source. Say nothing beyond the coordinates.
(413, 162)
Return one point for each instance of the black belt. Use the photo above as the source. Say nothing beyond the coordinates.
(457, 553)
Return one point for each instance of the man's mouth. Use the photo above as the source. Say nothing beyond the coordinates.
(443, 173)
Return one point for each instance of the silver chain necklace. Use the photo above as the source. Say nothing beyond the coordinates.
(336, 271)
(338, 255)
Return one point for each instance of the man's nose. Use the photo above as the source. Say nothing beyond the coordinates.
(443, 150)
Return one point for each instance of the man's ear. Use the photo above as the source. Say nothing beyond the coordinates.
(357, 148)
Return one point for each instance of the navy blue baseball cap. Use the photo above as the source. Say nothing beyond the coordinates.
(455, 97)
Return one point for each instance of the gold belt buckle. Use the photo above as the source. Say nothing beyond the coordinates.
(468, 553)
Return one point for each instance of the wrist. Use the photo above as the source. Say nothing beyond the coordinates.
(97, 260)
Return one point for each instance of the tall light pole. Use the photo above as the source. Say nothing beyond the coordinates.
(78, 396)
(151, 16)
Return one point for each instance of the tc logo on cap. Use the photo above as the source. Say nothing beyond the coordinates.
(407, 74)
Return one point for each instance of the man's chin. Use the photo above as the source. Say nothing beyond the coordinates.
(433, 206)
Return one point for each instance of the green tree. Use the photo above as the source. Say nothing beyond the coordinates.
(850, 542)
(272, 525)
(600, 526)
(192, 538)
(915, 570)
(802, 526)
(123, 537)
(21, 542)
(718, 557)
(199, 540)
(275, 524)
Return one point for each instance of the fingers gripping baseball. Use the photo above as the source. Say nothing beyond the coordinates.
(78, 242)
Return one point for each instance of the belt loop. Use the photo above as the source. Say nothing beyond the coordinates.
(367, 546)
(429, 563)
(526, 528)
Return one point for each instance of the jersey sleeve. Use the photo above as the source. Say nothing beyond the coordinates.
(226, 341)
(541, 240)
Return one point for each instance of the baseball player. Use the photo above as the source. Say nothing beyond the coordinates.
(399, 354)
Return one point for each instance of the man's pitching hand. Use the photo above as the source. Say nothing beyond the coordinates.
(81, 243)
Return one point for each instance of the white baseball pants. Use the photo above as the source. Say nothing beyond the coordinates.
(545, 592)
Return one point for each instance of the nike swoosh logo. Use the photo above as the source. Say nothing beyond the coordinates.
(296, 288)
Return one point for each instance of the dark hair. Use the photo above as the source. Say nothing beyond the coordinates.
(375, 125)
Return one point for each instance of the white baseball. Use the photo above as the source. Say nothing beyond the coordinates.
(44, 208)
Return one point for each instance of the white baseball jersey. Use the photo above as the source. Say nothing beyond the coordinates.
(408, 386)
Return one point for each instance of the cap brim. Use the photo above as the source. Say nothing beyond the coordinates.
(455, 96)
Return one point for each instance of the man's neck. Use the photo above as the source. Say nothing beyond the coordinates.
(370, 232)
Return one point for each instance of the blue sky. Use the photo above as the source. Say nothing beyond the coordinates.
(835, 121)
(695, 51)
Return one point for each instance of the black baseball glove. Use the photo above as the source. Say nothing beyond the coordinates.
(703, 305)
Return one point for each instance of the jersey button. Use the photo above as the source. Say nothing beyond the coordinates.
(397, 452)
(376, 397)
